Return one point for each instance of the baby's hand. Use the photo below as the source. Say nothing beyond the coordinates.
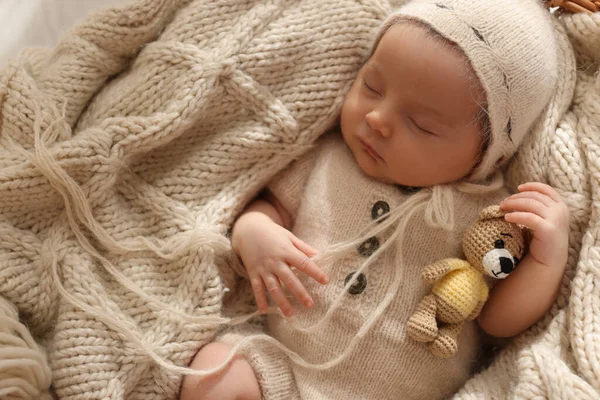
(268, 250)
(541, 209)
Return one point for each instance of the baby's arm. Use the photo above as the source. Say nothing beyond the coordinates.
(261, 238)
(521, 299)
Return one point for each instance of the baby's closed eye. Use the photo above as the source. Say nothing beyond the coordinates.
(422, 127)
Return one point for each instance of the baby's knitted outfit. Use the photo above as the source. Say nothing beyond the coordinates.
(511, 48)
(331, 201)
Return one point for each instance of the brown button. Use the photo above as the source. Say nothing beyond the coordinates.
(359, 285)
(379, 209)
(368, 247)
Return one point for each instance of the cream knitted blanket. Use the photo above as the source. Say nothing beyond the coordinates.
(559, 358)
(126, 152)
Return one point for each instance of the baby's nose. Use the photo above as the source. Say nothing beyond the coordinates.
(377, 123)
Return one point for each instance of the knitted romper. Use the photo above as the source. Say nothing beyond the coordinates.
(331, 200)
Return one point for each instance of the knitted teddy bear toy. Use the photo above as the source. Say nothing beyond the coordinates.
(492, 246)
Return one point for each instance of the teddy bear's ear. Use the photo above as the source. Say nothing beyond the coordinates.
(490, 212)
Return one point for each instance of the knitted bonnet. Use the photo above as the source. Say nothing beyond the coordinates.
(510, 45)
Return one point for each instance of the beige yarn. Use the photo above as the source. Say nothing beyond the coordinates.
(24, 371)
(209, 100)
(115, 194)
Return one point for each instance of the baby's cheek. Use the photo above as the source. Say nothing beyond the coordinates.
(354, 103)
(346, 120)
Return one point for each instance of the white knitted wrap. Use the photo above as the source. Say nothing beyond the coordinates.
(111, 185)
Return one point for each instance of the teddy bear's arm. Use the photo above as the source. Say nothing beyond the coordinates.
(435, 271)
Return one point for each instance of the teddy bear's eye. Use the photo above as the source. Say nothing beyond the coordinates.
(499, 244)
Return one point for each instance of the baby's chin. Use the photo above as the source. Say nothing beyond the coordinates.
(376, 171)
(369, 169)
(401, 181)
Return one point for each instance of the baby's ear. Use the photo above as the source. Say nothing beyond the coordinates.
(490, 212)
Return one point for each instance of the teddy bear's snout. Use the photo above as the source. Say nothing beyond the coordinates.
(506, 265)
(499, 263)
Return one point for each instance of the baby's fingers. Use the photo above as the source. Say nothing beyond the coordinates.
(530, 220)
(541, 188)
(258, 288)
(302, 263)
(291, 281)
(276, 292)
(525, 204)
(542, 198)
(303, 247)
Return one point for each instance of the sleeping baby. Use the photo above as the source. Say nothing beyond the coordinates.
(445, 98)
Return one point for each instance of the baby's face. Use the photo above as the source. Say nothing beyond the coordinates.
(409, 117)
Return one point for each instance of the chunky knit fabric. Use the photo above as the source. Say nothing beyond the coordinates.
(162, 152)
(24, 371)
(127, 151)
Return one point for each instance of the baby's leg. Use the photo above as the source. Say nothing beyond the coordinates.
(236, 382)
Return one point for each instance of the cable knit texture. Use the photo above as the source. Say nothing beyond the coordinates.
(24, 371)
(127, 150)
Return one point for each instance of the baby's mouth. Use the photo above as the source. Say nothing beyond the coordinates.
(370, 150)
